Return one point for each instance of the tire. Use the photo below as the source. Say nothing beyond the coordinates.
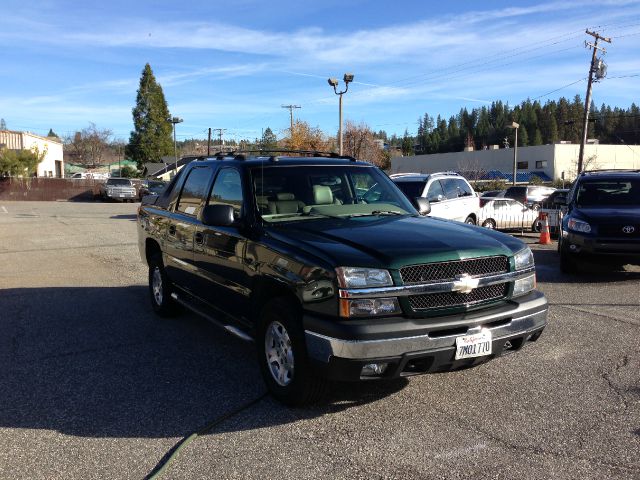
(535, 207)
(282, 355)
(470, 220)
(160, 289)
(489, 223)
(536, 227)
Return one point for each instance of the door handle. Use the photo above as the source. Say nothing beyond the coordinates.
(199, 237)
(172, 229)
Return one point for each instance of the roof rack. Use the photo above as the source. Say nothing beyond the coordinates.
(276, 153)
(612, 170)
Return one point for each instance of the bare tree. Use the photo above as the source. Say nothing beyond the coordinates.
(87, 146)
(471, 169)
(360, 143)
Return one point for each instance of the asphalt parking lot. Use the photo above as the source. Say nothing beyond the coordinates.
(93, 385)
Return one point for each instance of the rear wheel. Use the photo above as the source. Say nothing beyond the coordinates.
(489, 223)
(537, 226)
(282, 356)
(160, 289)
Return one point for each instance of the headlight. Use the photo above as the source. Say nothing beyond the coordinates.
(368, 307)
(579, 226)
(356, 277)
(524, 259)
(524, 285)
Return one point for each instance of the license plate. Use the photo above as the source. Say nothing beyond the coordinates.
(121, 195)
(476, 345)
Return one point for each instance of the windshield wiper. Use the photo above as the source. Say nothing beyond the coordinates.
(386, 212)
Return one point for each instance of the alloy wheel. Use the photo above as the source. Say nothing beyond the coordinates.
(279, 353)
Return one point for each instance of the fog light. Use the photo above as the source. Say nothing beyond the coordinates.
(573, 247)
(373, 369)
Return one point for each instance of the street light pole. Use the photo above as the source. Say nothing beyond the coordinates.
(348, 78)
(175, 120)
(515, 126)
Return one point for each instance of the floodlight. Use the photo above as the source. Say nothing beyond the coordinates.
(348, 77)
(333, 82)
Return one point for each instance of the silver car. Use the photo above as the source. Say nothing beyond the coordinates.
(508, 214)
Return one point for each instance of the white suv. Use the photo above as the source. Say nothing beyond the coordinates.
(449, 194)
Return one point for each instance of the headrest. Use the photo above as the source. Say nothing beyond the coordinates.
(286, 196)
(322, 195)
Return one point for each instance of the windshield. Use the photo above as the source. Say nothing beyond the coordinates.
(608, 192)
(119, 181)
(299, 192)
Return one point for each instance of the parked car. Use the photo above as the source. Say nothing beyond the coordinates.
(486, 196)
(602, 222)
(531, 195)
(554, 212)
(508, 214)
(151, 187)
(333, 272)
(450, 195)
(121, 189)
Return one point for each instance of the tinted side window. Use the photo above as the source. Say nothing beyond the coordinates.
(194, 191)
(464, 188)
(227, 190)
(411, 189)
(435, 192)
(454, 188)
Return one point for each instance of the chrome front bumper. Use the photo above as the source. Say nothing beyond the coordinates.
(526, 318)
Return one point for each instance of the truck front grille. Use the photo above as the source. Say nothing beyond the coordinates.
(444, 271)
(457, 299)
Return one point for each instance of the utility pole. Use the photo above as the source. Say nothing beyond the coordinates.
(209, 143)
(333, 82)
(220, 132)
(587, 102)
(291, 107)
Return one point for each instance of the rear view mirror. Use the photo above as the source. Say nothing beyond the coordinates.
(218, 215)
(422, 205)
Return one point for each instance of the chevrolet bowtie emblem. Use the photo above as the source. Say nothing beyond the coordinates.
(465, 284)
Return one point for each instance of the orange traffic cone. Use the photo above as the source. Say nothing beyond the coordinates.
(545, 235)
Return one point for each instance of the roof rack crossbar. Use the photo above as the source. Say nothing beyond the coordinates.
(273, 154)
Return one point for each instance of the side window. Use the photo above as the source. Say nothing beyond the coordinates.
(464, 190)
(227, 190)
(451, 188)
(435, 192)
(194, 191)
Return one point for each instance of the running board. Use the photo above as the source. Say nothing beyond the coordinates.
(229, 328)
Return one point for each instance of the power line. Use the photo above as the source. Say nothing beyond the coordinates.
(558, 89)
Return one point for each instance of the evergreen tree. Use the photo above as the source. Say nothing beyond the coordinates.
(537, 137)
(151, 138)
(52, 134)
(269, 140)
(523, 137)
(3, 124)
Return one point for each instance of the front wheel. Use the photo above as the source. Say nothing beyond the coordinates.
(567, 263)
(282, 356)
(470, 220)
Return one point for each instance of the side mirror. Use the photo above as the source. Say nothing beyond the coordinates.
(422, 205)
(218, 215)
(560, 200)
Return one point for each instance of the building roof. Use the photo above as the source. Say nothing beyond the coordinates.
(48, 139)
(150, 169)
(523, 177)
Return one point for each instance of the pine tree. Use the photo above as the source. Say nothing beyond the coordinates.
(151, 138)
(3, 124)
(269, 140)
(52, 134)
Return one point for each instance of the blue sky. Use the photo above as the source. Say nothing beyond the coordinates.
(65, 64)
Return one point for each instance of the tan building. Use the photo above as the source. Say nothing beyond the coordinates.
(52, 165)
(549, 161)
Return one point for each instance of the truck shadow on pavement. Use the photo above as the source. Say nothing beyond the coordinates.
(97, 362)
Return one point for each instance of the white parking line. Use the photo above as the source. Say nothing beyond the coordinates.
(4, 209)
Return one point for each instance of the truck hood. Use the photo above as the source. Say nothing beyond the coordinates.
(394, 241)
(608, 215)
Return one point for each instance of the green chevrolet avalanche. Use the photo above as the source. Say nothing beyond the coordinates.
(332, 272)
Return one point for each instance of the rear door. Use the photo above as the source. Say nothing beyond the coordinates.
(179, 237)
